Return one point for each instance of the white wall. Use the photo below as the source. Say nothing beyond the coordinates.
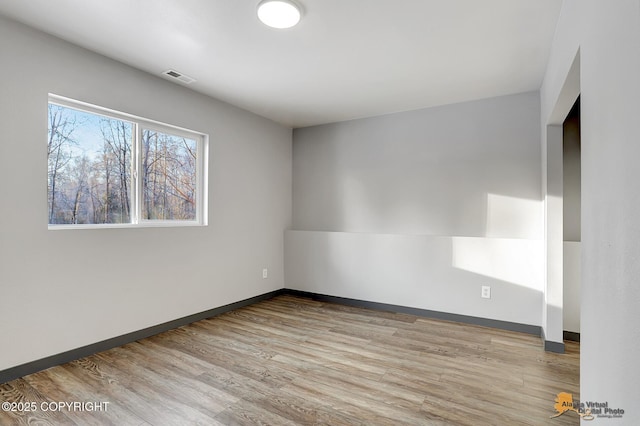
(553, 206)
(571, 286)
(421, 208)
(610, 338)
(559, 91)
(436, 273)
(608, 36)
(65, 289)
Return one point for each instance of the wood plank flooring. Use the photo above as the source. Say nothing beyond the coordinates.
(295, 361)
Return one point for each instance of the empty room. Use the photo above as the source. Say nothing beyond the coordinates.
(306, 212)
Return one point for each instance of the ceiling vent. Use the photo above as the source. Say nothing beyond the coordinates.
(179, 76)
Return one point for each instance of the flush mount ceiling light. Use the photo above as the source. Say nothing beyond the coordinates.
(279, 13)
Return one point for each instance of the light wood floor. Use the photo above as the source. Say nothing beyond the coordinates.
(292, 360)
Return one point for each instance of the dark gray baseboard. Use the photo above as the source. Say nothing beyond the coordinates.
(485, 322)
(551, 346)
(556, 347)
(572, 336)
(73, 354)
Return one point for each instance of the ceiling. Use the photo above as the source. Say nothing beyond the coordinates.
(346, 59)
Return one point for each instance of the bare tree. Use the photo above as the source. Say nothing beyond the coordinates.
(61, 128)
(80, 173)
(117, 137)
(169, 176)
(147, 166)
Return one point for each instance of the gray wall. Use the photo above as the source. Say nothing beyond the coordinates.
(422, 208)
(65, 289)
(607, 35)
(470, 169)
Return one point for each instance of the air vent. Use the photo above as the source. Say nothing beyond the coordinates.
(178, 76)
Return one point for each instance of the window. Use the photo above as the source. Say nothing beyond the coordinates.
(109, 169)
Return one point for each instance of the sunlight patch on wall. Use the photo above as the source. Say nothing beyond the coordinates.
(512, 260)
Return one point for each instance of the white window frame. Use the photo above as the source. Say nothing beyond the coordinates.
(140, 124)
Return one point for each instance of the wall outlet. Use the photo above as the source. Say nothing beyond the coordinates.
(265, 273)
(486, 292)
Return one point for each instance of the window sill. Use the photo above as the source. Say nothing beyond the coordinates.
(158, 224)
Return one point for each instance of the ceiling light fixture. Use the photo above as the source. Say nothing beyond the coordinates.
(279, 13)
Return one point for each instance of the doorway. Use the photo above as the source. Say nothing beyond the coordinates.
(571, 212)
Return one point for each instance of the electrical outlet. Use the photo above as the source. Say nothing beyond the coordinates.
(486, 292)
(265, 273)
